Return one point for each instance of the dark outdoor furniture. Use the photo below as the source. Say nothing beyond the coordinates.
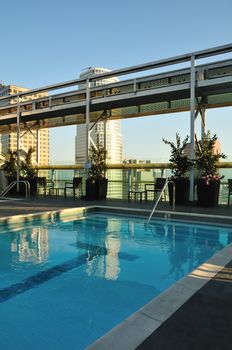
(41, 182)
(135, 195)
(75, 184)
(156, 187)
(55, 191)
(44, 184)
(229, 190)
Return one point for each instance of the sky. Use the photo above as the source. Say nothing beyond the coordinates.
(52, 41)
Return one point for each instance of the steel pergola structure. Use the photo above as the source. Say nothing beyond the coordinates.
(195, 89)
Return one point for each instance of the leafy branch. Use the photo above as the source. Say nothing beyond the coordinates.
(179, 161)
(98, 161)
(206, 159)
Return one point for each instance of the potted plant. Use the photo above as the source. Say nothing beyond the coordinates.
(27, 170)
(208, 182)
(180, 164)
(96, 183)
(9, 165)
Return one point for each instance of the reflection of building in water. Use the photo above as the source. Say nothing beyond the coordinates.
(131, 228)
(32, 246)
(104, 263)
(113, 245)
(189, 246)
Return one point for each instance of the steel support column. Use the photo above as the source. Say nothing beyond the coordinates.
(87, 125)
(18, 142)
(105, 133)
(37, 146)
(192, 126)
(105, 140)
(202, 123)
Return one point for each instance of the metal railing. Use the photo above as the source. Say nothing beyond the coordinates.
(14, 183)
(125, 177)
(159, 197)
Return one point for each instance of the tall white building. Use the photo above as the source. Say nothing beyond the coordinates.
(113, 139)
(113, 128)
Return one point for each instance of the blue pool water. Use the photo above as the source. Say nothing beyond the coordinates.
(65, 284)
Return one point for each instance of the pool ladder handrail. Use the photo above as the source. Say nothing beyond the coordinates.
(160, 195)
(12, 184)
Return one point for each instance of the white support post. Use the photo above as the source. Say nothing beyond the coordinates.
(87, 124)
(105, 136)
(192, 126)
(53, 175)
(105, 140)
(37, 146)
(129, 180)
(202, 123)
(18, 142)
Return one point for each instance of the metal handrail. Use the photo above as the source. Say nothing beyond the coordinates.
(124, 166)
(160, 195)
(12, 184)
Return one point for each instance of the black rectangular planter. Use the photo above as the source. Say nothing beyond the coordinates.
(182, 186)
(90, 189)
(208, 195)
(102, 188)
(96, 189)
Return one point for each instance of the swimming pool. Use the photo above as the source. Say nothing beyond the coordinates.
(64, 283)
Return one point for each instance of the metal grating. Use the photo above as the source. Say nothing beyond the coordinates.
(160, 106)
(178, 79)
(153, 84)
(218, 72)
(184, 103)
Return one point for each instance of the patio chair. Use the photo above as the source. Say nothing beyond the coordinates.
(156, 187)
(41, 182)
(136, 194)
(75, 184)
(44, 184)
(229, 190)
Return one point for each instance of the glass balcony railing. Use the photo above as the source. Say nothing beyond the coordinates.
(123, 178)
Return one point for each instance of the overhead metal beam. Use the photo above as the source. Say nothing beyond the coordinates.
(219, 50)
(210, 87)
(87, 123)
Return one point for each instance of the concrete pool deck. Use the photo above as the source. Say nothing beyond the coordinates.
(10, 207)
(203, 321)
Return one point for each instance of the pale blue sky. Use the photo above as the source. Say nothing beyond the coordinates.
(51, 41)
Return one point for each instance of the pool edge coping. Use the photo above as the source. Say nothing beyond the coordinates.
(20, 218)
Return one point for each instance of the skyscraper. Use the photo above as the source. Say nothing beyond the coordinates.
(9, 141)
(113, 128)
(113, 138)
